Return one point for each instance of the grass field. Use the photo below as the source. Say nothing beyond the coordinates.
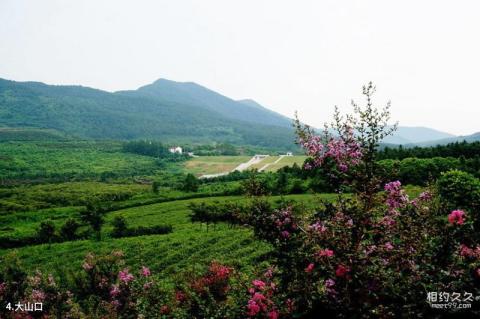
(188, 243)
(222, 164)
(213, 164)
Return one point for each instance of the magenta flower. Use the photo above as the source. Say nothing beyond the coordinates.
(329, 283)
(466, 251)
(425, 196)
(318, 227)
(253, 308)
(456, 217)
(309, 268)
(125, 276)
(396, 197)
(145, 271)
(258, 297)
(259, 284)
(388, 246)
(345, 151)
(285, 234)
(325, 253)
(342, 271)
(115, 291)
(38, 295)
(272, 314)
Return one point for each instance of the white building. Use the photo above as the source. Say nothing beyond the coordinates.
(176, 150)
(289, 154)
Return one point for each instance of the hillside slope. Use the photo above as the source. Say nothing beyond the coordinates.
(90, 113)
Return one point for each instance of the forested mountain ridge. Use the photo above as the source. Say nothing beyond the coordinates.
(90, 113)
(190, 93)
(174, 112)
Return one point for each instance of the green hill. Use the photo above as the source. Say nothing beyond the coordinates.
(165, 110)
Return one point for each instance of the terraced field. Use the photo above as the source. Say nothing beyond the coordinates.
(188, 243)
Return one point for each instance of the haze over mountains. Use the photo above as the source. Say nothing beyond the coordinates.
(166, 110)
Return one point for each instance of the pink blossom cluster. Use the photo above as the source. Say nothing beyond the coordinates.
(468, 252)
(260, 303)
(325, 253)
(317, 227)
(342, 271)
(114, 291)
(284, 222)
(388, 246)
(457, 217)
(145, 271)
(38, 295)
(396, 196)
(218, 272)
(330, 286)
(345, 151)
(425, 196)
(125, 276)
(310, 268)
(215, 281)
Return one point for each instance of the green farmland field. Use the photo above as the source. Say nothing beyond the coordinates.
(188, 244)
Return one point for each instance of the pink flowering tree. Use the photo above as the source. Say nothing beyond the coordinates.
(374, 251)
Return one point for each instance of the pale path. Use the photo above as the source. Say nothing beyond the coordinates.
(264, 167)
(244, 166)
(214, 175)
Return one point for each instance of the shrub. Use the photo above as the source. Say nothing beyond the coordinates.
(120, 229)
(155, 187)
(68, 231)
(119, 226)
(46, 232)
(93, 215)
(190, 183)
(459, 189)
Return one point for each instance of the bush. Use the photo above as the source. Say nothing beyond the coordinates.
(459, 189)
(190, 183)
(46, 232)
(120, 229)
(93, 215)
(69, 230)
(119, 226)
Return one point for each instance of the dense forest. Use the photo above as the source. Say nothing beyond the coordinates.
(457, 149)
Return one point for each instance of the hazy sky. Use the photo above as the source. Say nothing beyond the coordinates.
(288, 55)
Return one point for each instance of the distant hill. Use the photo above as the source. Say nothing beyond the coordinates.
(408, 135)
(189, 93)
(164, 110)
(174, 112)
(468, 138)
